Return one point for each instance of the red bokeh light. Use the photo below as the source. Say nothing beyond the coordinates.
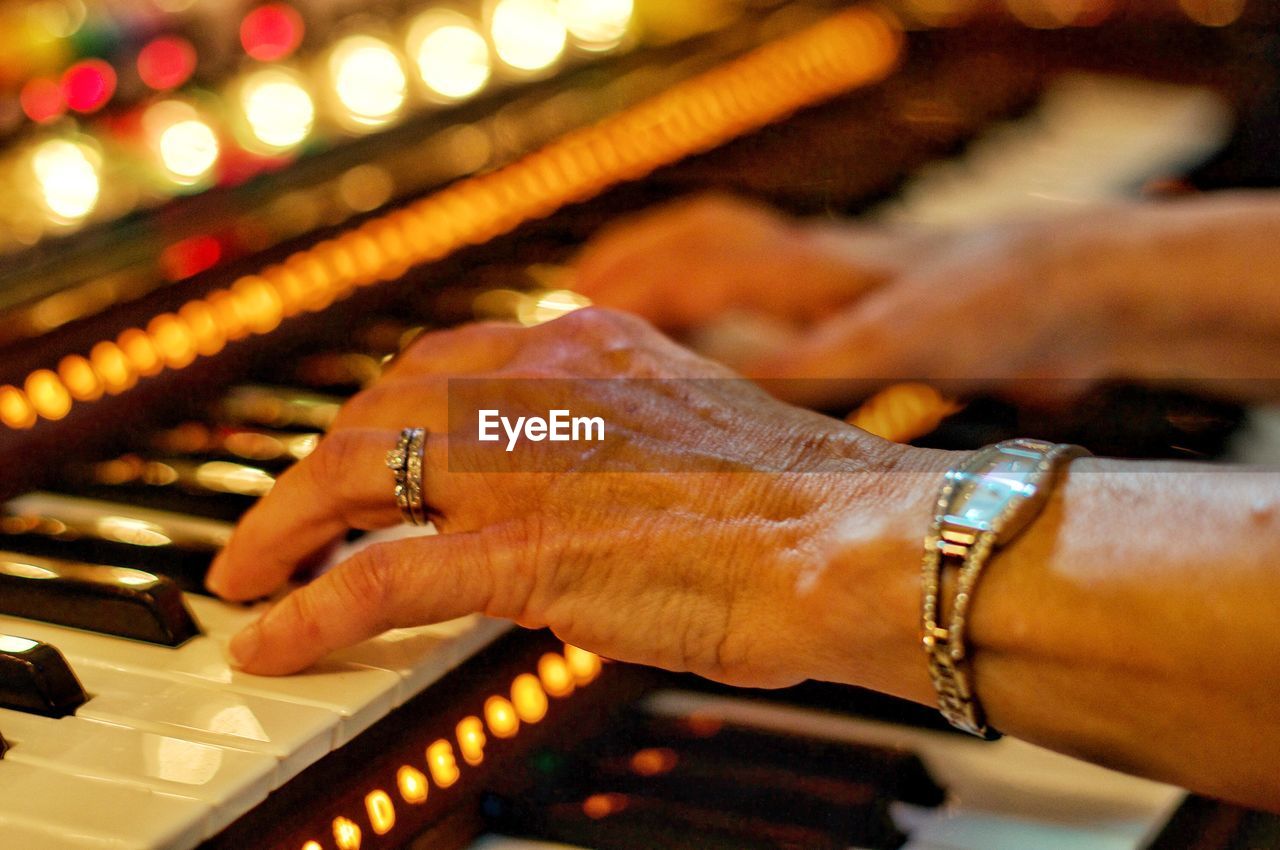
(166, 62)
(271, 32)
(191, 256)
(88, 85)
(42, 100)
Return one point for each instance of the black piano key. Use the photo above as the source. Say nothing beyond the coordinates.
(613, 821)
(217, 489)
(34, 677)
(895, 773)
(854, 812)
(76, 529)
(109, 600)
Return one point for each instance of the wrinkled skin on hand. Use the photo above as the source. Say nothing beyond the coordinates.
(728, 571)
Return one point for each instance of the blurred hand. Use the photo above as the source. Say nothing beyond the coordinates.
(1037, 309)
(703, 537)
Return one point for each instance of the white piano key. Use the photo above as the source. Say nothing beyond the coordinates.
(420, 656)
(980, 831)
(65, 810)
(28, 837)
(358, 695)
(294, 735)
(231, 781)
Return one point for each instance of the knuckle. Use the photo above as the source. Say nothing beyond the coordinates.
(367, 585)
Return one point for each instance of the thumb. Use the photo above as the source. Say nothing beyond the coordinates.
(388, 585)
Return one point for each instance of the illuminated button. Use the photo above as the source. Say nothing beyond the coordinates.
(112, 365)
(471, 740)
(15, 408)
(346, 834)
(500, 716)
(529, 698)
(556, 678)
(450, 54)
(442, 764)
(596, 24)
(81, 381)
(173, 340)
(412, 784)
(48, 394)
(368, 80)
(382, 813)
(66, 175)
(140, 351)
(584, 665)
(278, 110)
(527, 34)
(107, 600)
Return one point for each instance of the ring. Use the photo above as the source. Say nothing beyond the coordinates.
(405, 462)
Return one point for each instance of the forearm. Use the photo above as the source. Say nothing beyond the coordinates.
(1132, 624)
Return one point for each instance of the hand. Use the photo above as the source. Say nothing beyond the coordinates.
(1036, 309)
(791, 520)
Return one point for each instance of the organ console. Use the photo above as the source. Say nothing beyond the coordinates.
(221, 219)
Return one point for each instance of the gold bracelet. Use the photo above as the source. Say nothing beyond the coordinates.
(984, 503)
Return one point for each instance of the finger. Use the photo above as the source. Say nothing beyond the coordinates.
(398, 402)
(478, 347)
(343, 484)
(390, 585)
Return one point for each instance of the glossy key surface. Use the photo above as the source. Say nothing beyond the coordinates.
(34, 677)
(109, 600)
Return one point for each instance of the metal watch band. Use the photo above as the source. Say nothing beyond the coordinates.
(984, 503)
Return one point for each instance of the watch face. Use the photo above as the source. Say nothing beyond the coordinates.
(980, 498)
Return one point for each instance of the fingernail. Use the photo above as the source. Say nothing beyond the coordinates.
(244, 645)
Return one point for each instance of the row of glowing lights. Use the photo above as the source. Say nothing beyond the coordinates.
(558, 676)
(852, 48)
(367, 87)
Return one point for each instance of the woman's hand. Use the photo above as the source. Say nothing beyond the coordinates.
(1177, 292)
(715, 530)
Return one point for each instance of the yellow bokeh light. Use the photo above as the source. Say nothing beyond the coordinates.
(368, 80)
(172, 339)
(597, 24)
(500, 716)
(584, 665)
(185, 143)
(15, 408)
(471, 740)
(346, 834)
(67, 178)
(140, 351)
(81, 380)
(113, 366)
(382, 812)
(412, 784)
(312, 845)
(208, 334)
(449, 53)
(442, 764)
(529, 698)
(528, 35)
(554, 672)
(278, 110)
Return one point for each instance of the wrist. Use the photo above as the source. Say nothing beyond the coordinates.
(863, 617)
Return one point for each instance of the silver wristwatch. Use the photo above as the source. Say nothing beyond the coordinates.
(984, 503)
